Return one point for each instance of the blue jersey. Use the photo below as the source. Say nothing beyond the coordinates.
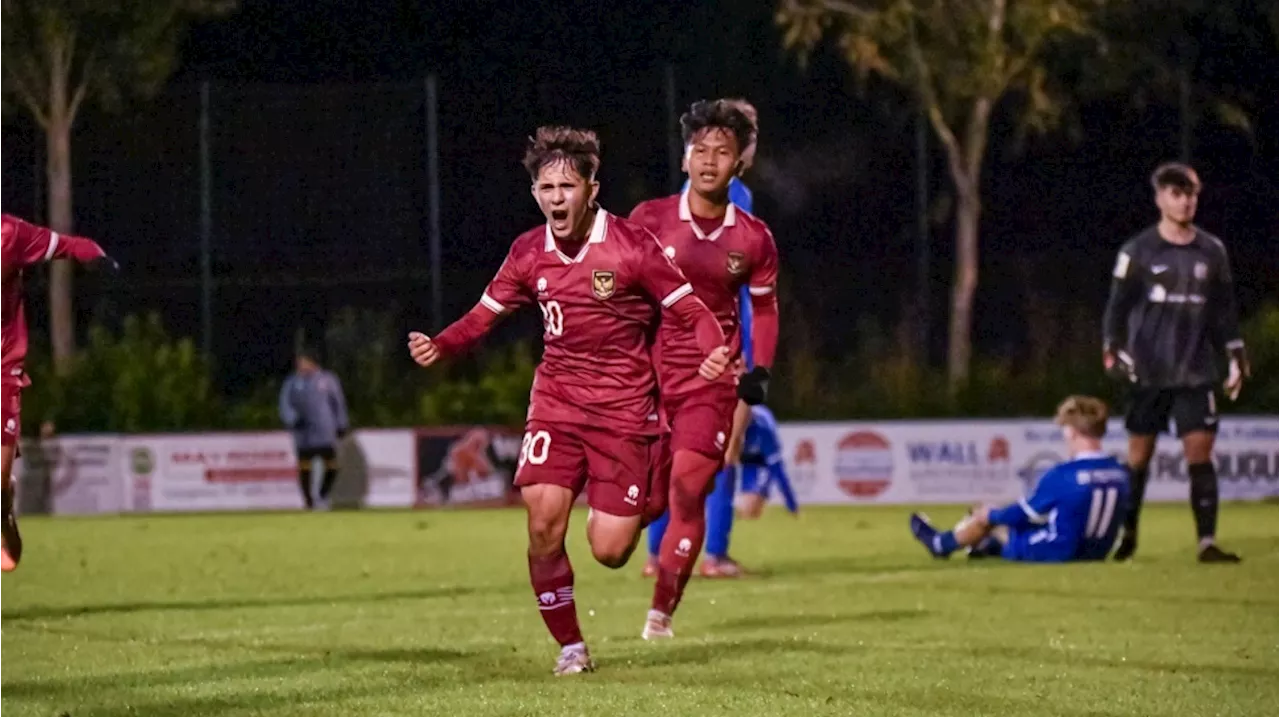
(1074, 513)
(760, 445)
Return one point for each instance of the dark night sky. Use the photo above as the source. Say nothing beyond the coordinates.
(319, 193)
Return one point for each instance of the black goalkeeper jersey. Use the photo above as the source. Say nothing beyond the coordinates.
(1173, 308)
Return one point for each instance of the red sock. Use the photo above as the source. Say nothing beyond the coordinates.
(692, 479)
(552, 580)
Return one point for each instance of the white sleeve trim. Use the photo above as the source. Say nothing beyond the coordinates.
(760, 290)
(681, 291)
(1031, 512)
(1236, 344)
(491, 304)
(53, 245)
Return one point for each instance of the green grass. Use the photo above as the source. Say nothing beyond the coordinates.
(431, 614)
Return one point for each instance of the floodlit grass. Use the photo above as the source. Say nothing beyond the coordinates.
(431, 613)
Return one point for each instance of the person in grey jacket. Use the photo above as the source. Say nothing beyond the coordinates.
(313, 408)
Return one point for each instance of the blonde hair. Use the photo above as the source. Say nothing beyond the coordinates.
(1085, 414)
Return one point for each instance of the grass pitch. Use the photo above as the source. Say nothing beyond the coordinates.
(431, 613)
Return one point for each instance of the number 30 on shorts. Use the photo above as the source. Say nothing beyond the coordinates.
(533, 448)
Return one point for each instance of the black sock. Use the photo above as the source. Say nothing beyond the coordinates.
(1137, 489)
(304, 482)
(1204, 498)
(330, 476)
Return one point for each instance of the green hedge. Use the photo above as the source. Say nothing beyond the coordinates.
(142, 379)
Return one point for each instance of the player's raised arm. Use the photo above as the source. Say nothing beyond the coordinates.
(1225, 321)
(505, 294)
(26, 244)
(1126, 288)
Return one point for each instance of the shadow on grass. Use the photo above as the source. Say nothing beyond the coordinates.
(1144, 598)
(764, 622)
(67, 611)
(852, 565)
(1076, 659)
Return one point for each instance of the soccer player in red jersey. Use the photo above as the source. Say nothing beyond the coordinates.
(24, 245)
(719, 248)
(593, 423)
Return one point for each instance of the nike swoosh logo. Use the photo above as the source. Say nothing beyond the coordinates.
(1160, 269)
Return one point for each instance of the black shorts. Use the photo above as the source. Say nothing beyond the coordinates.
(306, 455)
(1190, 409)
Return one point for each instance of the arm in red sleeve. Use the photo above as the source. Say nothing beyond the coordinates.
(762, 284)
(26, 244)
(764, 329)
(505, 293)
(691, 312)
(462, 335)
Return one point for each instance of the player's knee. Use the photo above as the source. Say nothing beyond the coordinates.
(546, 535)
(613, 554)
(689, 494)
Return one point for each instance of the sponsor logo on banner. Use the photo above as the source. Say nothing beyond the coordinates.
(472, 466)
(959, 469)
(803, 470)
(864, 464)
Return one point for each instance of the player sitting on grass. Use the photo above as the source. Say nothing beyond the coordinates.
(1074, 513)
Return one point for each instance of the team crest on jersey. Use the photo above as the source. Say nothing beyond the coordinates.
(1201, 271)
(736, 262)
(602, 284)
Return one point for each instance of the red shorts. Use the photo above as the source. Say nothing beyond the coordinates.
(614, 469)
(701, 421)
(10, 412)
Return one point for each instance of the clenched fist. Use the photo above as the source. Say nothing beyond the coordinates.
(423, 350)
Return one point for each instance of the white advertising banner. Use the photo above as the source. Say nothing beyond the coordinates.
(211, 471)
(387, 460)
(900, 462)
(259, 471)
(989, 461)
(896, 462)
(71, 475)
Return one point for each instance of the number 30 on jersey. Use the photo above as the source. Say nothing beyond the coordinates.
(533, 449)
(552, 317)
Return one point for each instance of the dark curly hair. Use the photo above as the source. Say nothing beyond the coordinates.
(736, 116)
(551, 145)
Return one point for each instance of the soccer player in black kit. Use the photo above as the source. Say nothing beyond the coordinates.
(1170, 317)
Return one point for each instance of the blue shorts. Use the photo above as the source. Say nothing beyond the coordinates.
(754, 479)
(1034, 546)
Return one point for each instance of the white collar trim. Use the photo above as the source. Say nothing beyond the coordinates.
(730, 218)
(595, 237)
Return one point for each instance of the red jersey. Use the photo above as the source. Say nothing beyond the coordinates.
(599, 312)
(25, 245)
(740, 251)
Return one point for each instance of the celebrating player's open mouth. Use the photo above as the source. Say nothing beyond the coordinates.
(560, 222)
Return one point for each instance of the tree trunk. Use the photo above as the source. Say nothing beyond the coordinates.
(62, 325)
(960, 339)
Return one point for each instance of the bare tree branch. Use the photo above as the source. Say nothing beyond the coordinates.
(846, 8)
